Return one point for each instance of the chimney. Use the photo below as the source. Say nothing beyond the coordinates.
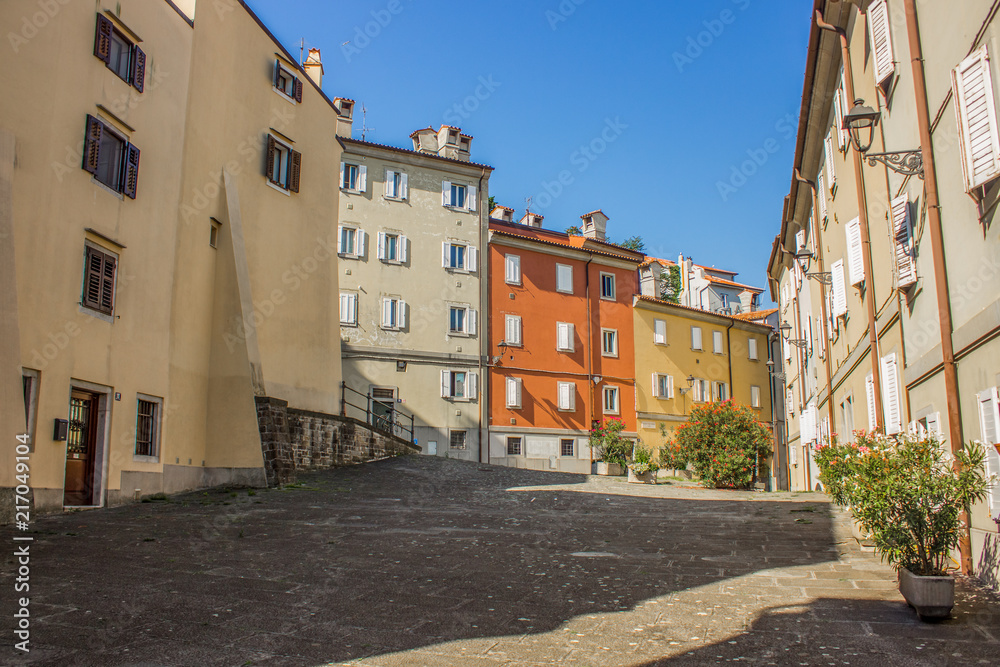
(345, 114)
(594, 225)
(502, 213)
(532, 219)
(314, 67)
(425, 140)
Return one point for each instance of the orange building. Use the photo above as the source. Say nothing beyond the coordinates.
(560, 340)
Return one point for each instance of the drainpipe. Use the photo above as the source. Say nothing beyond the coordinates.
(484, 335)
(729, 355)
(822, 293)
(940, 270)
(590, 349)
(866, 243)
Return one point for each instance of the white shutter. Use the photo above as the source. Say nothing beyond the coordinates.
(905, 268)
(855, 251)
(891, 404)
(386, 312)
(341, 175)
(881, 40)
(512, 269)
(992, 465)
(752, 347)
(821, 336)
(977, 119)
(361, 242)
(989, 419)
(471, 386)
(670, 386)
(839, 291)
(445, 384)
(446, 193)
(470, 199)
(821, 196)
(800, 239)
(389, 180)
(340, 239)
(838, 117)
(401, 314)
(754, 396)
(470, 321)
(656, 386)
(404, 189)
(831, 172)
(934, 425)
(401, 248)
(344, 304)
(717, 342)
(695, 338)
(790, 401)
(362, 178)
(471, 259)
(381, 245)
(870, 394)
(809, 333)
(562, 396)
(660, 332)
(787, 349)
(446, 254)
(513, 393)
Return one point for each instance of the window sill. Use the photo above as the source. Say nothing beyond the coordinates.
(348, 255)
(283, 95)
(279, 188)
(609, 356)
(457, 209)
(564, 291)
(566, 351)
(391, 262)
(86, 310)
(457, 269)
(351, 191)
(608, 298)
(107, 188)
(352, 325)
(391, 329)
(389, 198)
(138, 458)
(517, 284)
(460, 334)
(567, 410)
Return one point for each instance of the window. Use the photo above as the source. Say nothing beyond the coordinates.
(752, 348)
(119, 54)
(891, 404)
(461, 320)
(459, 256)
(838, 296)
(513, 386)
(213, 233)
(720, 391)
(870, 395)
(609, 342)
(283, 165)
(754, 396)
(660, 332)
(717, 342)
(396, 185)
(351, 242)
(663, 386)
(696, 338)
(99, 280)
(459, 384)
(349, 308)
(847, 419)
(611, 400)
(702, 390)
(513, 446)
(564, 278)
(110, 157)
(566, 396)
(147, 428)
(29, 385)
(455, 195)
(459, 440)
(855, 253)
(392, 247)
(353, 177)
(831, 173)
(393, 313)
(989, 417)
(567, 447)
(607, 286)
(286, 83)
(565, 337)
(906, 270)
(512, 329)
(977, 116)
(512, 269)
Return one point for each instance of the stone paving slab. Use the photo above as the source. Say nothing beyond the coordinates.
(427, 561)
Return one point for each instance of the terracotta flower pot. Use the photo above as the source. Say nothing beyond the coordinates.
(931, 597)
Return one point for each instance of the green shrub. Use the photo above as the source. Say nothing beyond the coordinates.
(723, 442)
(609, 444)
(643, 460)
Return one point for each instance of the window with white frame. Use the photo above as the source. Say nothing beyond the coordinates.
(663, 386)
(717, 342)
(512, 269)
(566, 396)
(696, 338)
(701, 391)
(720, 391)
(512, 330)
(349, 309)
(513, 386)
(607, 285)
(461, 320)
(847, 419)
(351, 242)
(567, 447)
(660, 332)
(752, 348)
(459, 256)
(147, 426)
(392, 247)
(393, 313)
(609, 342)
(513, 446)
(458, 196)
(459, 385)
(396, 184)
(353, 177)
(564, 278)
(754, 396)
(286, 83)
(611, 406)
(565, 337)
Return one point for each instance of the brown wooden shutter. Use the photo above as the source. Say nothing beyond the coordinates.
(277, 71)
(102, 40)
(293, 172)
(92, 284)
(108, 285)
(131, 170)
(269, 165)
(92, 147)
(138, 68)
(298, 90)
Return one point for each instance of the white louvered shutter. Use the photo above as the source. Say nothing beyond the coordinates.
(471, 386)
(471, 259)
(361, 243)
(513, 393)
(992, 465)
(386, 312)
(831, 172)
(870, 394)
(787, 349)
(401, 251)
(381, 245)
(341, 174)
(906, 269)
(656, 386)
(696, 338)
(838, 116)
(390, 179)
(881, 40)
(800, 239)
(855, 251)
(445, 384)
(446, 254)
(512, 264)
(470, 199)
(934, 425)
(752, 347)
(362, 178)
(989, 419)
(821, 196)
(344, 305)
(660, 332)
(401, 314)
(470, 321)
(446, 193)
(839, 290)
(891, 403)
(977, 119)
(717, 342)
(670, 386)
(340, 239)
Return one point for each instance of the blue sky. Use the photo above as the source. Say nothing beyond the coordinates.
(678, 119)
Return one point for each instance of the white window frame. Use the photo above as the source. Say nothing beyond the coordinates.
(448, 190)
(360, 241)
(513, 390)
(470, 385)
(566, 396)
(397, 311)
(512, 269)
(883, 64)
(663, 386)
(520, 445)
(396, 185)
(383, 247)
(752, 349)
(659, 332)
(157, 428)
(360, 182)
(611, 280)
(605, 352)
(697, 343)
(718, 345)
(470, 256)
(563, 269)
(614, 393)
(570, 329)
(513, 333)
(469, 320)
(350, 301)
(465, 440)
(284, 72)
(755, 396)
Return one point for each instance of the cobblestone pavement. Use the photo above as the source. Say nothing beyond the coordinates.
(423, 561)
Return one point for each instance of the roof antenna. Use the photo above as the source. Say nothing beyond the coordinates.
(527, 207)
(302, 50)
(364, 122)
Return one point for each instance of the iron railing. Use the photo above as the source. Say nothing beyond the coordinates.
(382, 415)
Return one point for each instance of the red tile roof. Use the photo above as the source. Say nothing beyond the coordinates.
(723, 281)
(756, 315)
(651, 299)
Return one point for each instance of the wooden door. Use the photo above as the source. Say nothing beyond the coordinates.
(81, 445)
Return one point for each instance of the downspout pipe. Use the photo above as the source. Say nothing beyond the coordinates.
(955, 434)
(590, 349)
(484, 336)
(866, 243)
(729, 355)
(814, 232)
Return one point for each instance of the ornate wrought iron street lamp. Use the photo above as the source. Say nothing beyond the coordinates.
(860, 121)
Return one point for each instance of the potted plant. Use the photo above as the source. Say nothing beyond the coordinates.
(610, 447)
(643, 467)
(908, 495)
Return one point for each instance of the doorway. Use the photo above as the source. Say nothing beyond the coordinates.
(383, 408)
(81, 449)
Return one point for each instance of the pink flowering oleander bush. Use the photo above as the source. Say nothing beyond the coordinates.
(907, 493)
(723, 442)
(609, 444)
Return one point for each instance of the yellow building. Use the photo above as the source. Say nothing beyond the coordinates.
(685, 356)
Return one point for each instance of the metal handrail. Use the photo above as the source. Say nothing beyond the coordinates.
(392, 421)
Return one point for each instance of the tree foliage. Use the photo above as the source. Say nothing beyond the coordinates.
(634, 243)
(723, 442)
(609, 444)
(671, 286)
(574, 230)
